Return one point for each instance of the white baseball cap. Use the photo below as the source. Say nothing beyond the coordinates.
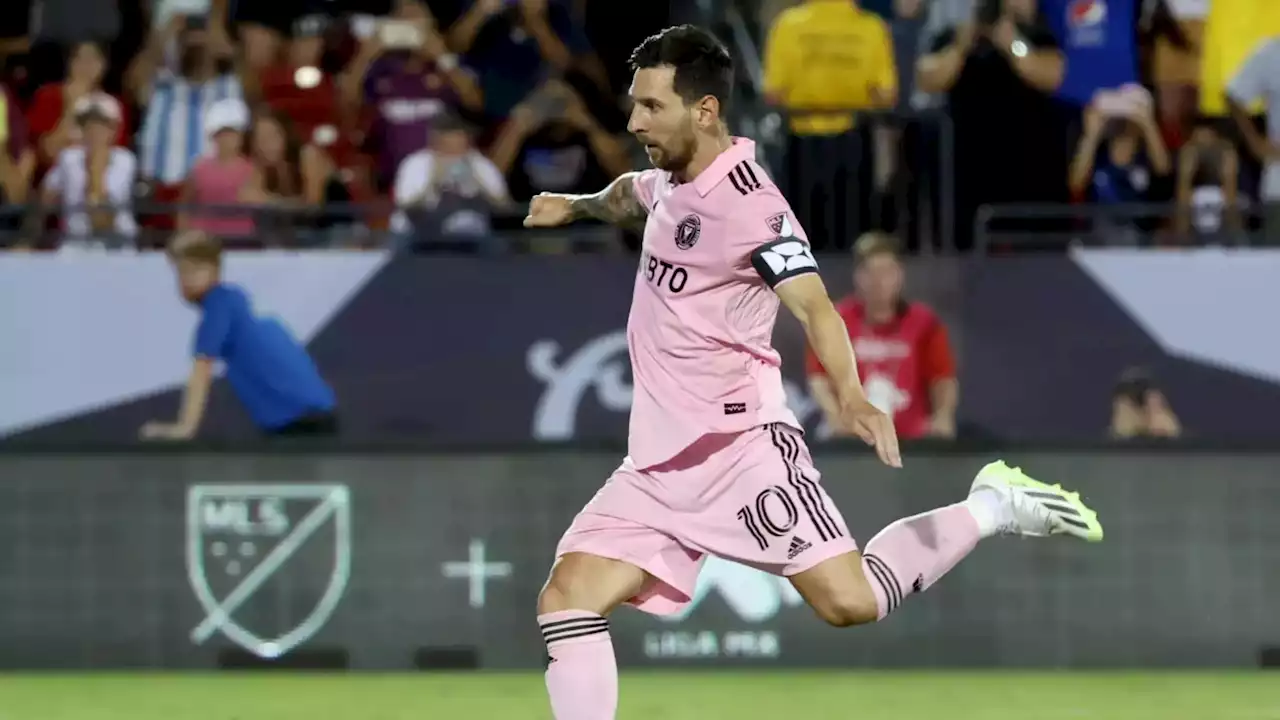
(97, 105)
(226, 114)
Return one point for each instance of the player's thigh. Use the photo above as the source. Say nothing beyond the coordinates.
(581, 581)
(618, 550)
(838, 590)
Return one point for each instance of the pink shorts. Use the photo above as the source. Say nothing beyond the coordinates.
(751, 497)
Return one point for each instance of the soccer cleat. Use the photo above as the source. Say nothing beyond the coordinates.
(1035, 508)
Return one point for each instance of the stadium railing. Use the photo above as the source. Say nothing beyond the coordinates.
(467, 227)
(1054, 227)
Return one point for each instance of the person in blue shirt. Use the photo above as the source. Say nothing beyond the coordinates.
(269, 371)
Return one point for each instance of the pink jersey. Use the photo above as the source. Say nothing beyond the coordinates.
(701, 326)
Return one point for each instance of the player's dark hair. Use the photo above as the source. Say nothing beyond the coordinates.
(702, 64)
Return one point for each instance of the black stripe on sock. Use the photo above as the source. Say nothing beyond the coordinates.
(550, 634)
(802, 492)
(816, 493)
(892, 580)
(554, 638)
(885, 587)
(574, 621)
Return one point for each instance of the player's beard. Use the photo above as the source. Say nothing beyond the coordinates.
(674, 156)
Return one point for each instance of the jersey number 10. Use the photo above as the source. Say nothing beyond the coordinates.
(765, 519)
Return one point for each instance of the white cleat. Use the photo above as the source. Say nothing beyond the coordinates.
(1036, 509)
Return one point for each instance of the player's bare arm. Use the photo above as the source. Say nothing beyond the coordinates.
(805, 295)
(617, 204)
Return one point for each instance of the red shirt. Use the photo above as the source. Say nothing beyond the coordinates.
(46, 112)
(898, 361)
(307, 108)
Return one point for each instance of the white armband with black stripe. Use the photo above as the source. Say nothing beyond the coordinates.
(783, 259)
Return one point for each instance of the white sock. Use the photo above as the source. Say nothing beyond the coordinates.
(990, 509)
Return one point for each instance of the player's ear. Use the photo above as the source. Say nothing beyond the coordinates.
(707, 111)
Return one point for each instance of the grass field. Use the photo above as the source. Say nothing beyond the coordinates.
(649, 696)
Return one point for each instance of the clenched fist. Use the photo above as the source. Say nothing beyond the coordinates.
(549, 210)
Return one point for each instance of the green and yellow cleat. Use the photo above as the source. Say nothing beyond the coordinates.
(1038, 509)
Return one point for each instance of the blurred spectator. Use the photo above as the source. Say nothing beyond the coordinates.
(1139, 409)
(554, 144)
(290, 179)
(514, 44)
(407, 77)
(448, 189)
(1233, 30)
(173, 136)
(904, 356)
(52, 114)
(163, 11)
(1121, 154)
(17, 164)
(15, 23)
(1259, 80)
(822, 59)
(220, 177)
(1099, 42)
(269, 30)
(1175, 31)
(93, 181)
(615, 29)
(1209, 200)
(940, 17)
(998, 71)
(60, 24)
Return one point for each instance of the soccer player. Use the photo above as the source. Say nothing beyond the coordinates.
(269, 371)
(717, 464)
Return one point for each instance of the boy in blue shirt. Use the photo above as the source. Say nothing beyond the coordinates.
(269, 371)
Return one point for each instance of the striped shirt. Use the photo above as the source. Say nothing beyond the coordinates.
(172, 138)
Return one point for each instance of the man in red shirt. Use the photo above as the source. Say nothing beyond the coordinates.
(904, 356)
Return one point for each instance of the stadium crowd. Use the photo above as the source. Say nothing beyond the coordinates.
(342, 122)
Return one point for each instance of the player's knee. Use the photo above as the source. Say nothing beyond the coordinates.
(847, 609)
(586, 582)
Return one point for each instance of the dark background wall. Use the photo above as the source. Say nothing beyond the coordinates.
(1040, 342)
(103, 555)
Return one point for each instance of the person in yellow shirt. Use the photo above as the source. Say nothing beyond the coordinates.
(829, 55)
(825, 60)
(1233, 30)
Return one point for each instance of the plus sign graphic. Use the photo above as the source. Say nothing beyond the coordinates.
(477, 571)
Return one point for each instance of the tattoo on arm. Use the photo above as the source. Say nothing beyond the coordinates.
(616, 204)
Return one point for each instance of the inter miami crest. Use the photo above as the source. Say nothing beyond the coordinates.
(268, 563)
(687, 232)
